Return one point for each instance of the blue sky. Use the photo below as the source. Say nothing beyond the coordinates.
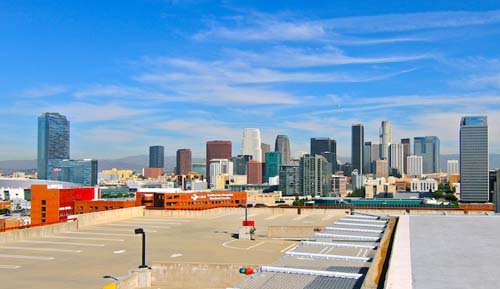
(129, 74)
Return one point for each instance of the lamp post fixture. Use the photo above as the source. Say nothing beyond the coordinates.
(141, 231)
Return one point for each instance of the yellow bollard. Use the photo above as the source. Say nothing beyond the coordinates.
(110, 286)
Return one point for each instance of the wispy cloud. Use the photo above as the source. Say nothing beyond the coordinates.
(43, 91)
(260, 26)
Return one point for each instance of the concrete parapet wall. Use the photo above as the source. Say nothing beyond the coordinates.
(137, 278)
(97, 218)
(290, 231)
(36, 232)
(222, 211)
(197, 275)
(374, 274)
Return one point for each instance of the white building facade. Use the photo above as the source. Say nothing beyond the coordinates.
(453, 167)
(415, 165)
(251, 144)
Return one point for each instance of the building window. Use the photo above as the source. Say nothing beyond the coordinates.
(44, 202)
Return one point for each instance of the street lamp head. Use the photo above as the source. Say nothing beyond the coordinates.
(139, 231)
(110, 277)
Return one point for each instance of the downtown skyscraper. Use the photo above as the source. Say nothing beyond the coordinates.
(474, 159)
(385, 139)
(429, 148)
(217, 149)
(326, 147)
(53, 141)
(156, 157)
(183, 162)
(282, 145)
(357, 147)
(252, 144)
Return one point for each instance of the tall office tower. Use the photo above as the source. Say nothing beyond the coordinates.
(326, 147)
(240, 164)
(406, 152)
(453, 167)
(289, 180)
(428, 148)
(474, 159)
(217, 149)
(396, 156)
(183, 162)
(251, 144)
(272, 166)
(357, 147)
(264, 148)
(156, 157)
(367, 157)
(315, 175)
(376, 151)
(415, 166)
(219, 167)
(497, 193)
(74, 171)
(385, 139)
(282, 145)
(381, 169)
(53, 140)
(254, 175)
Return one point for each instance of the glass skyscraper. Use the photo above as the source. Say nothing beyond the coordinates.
(272, 166)
(357, 147)
(282, 145)
(325, 147)
(429, 148)
(156, 157)
(53, 141)
(474, 159)
(74, 171)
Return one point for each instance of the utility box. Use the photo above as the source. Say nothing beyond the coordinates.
(250, 223)
(246, 233)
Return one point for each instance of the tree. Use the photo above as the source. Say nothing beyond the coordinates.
(450, 197)
(438, 195)
(357, 193)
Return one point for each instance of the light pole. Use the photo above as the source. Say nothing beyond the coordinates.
(141, 231)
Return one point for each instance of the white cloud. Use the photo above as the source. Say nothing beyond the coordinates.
(43, 91)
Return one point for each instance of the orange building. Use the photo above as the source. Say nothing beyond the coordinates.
(6, 205)
(83, 207)
(9, 223)
(191, 201)
(55, 205)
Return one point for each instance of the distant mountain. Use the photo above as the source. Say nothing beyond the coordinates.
(135, 163)
(138, 162)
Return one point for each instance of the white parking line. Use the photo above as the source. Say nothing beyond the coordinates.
(9, 267)
(166, 219)
(117, 229)
(119, 251)
(288, 248)
(85, 238)
(101, 234)
(147, 223)
(40, 249)
(329, 250)
(326, 218)
(137, 225)
(249, 216)
(63, 243)
(274, 217)
(359, 252)
(258, 244)
(25, 257)
(218, 216)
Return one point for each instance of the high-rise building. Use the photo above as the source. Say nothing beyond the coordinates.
(251, 144)
(264, 147)
(367, 157)
(496, 197)
(381, 169)
(385, 139)
(453, 167)
(289, 180)
(53, 141)
(183, 162)
(272, 166)
(327, 148)
(474, 159)
(240, 164)
(415, 166)
(282, 145)
(357, 147)
(219, 167)
(396, 156)
(157, 157)
(406, 152)
(201, 169)
(217, 149)
(315, 175)
(376, 152)
(74, 171)
(254, 175)
(429, 148)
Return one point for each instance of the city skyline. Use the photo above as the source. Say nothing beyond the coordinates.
(302, 71)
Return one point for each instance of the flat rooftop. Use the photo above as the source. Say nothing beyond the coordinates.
(446, 251)
(79, 259)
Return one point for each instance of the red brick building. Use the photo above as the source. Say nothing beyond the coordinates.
(217, 149)
(254, 172)
(183, 162)
(191, 201)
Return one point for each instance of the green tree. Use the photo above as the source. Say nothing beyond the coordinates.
(450, 197)
(438, 194)
(357, 193)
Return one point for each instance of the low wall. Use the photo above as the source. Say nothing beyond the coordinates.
(290, 231)
(197, 275)
(103, 217)
(222, 211)
(36, 232)
(374, 274)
